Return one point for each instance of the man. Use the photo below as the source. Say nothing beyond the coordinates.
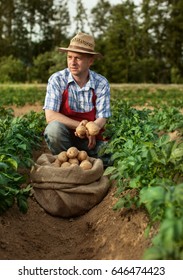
(76, 94)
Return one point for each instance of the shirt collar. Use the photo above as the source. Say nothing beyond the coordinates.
(89, 84)
(70, 78)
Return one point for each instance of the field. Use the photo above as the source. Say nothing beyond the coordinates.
(140, 217)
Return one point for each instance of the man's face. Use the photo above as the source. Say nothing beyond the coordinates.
(79, 63)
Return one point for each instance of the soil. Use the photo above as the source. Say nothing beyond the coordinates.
(100, 234)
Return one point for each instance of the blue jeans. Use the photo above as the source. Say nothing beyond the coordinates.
(60, 138)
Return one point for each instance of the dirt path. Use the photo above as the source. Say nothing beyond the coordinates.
(100, 234)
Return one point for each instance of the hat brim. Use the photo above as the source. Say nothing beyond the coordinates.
(65, 50)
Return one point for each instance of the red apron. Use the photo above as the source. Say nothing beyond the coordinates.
(79, 116)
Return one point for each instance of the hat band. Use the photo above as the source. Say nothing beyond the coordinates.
(80, 48)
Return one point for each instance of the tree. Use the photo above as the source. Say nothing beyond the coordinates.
(121, 41)
(81, 18)
(61, 22)
(6, 21)
(174, 40)
(149, 54)
(30, 27)
(101, 14)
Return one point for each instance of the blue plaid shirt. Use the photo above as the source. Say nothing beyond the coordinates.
(80, 99)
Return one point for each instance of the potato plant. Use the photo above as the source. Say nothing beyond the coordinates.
(19, 137)
(153, 166)
(20, 95)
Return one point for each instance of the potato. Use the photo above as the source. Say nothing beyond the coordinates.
(81, 130)
(93, 128)
(56, 163)
(73, 161)
(84, 122)
(62, 156)
(73, 164)
(86, 165)
(65, 164)
(72, 152)
(82, 155)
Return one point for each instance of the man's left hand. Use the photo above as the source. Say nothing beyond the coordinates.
(91, 142)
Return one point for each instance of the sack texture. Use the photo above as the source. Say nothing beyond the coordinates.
(68, 192)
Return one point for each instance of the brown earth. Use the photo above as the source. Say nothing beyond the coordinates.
(100, 234)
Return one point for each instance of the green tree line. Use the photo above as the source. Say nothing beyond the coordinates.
(140, 43)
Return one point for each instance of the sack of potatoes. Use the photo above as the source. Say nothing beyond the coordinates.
(73, 157)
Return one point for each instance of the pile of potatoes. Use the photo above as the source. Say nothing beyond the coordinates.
(87, 128)
(73, 157)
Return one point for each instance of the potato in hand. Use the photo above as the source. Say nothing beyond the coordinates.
(93, 128)
(81, 131)
(87, 128)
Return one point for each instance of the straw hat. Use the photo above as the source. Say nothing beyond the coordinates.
(82, 43)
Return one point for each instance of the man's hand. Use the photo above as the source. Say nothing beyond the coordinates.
(80, 135)
(91, 139)
(82, 132)
(91, 142)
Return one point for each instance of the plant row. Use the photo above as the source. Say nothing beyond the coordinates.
(148, 170)
(18, 137)
(149, 96)
(21, 94)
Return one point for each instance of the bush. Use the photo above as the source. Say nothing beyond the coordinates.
(176, 76)
(45, 64)
(12, 70)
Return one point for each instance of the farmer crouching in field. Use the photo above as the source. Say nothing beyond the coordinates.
(75, 94)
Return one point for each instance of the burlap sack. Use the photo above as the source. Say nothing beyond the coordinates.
(68, 192)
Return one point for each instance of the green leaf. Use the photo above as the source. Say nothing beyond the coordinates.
(149, 194)
(153, 253)
(119, 204)
(13, 163)
(22, 203)
(22, 146)
(177, 153)
(135, 182)
(109, 170)
(3, 166)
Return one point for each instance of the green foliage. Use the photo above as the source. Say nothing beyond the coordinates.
(20, 95)
(19, 137)
(46, 64)
(140, 43)
(176, 77)
(147, 170)
(158, 97)
(81, 18)
(164, 203)
(167, 118)
(12, 70)
(33, 27)
(101, 15)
